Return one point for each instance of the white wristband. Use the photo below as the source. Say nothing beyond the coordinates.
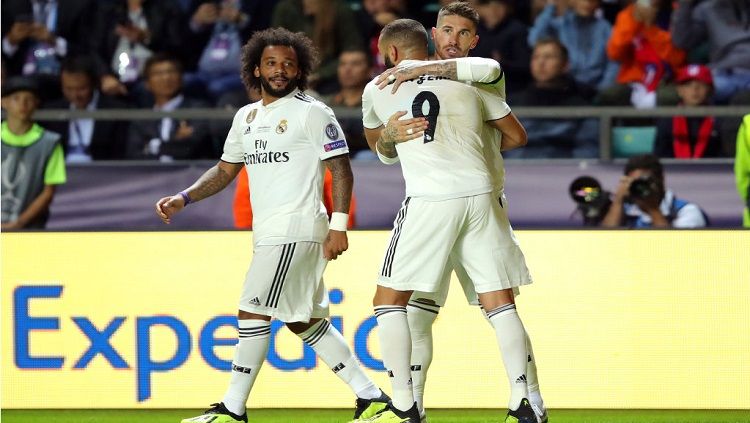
(339, 221)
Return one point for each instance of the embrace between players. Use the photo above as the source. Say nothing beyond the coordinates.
(447, 122)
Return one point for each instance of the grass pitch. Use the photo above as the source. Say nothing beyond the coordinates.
(338, 416)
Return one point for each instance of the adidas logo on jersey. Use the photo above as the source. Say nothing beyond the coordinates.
(255, 301)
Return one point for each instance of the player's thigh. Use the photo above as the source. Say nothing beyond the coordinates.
(422, 238)
(434, 300)
(487, 249)
(285, 282)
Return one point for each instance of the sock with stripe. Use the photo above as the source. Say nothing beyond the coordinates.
(511, 337)
(535, 395)
(421, 317)
(395, 347)
(249, 354)
(332, 348)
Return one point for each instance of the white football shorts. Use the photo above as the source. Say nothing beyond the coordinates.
(473, 232)
(286, 282)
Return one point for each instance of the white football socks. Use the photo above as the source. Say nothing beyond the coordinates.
(332, 348)
(249, 354)
(535, 395)
(421, 317)
(511, 337)
(395, 347)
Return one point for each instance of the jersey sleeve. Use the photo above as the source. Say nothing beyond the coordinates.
(370, 119)
(689, 216)
(233, 150)
(324, 132)
(478, 69)
(54, 173)
(493, 106)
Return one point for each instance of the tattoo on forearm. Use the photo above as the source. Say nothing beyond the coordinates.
(388, 135)
(386, 148)
(446, 70)
(211, 182)
(343, 182)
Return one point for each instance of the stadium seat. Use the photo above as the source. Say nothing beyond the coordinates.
(632, 140)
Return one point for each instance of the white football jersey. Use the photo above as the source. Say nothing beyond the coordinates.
(283, 145)
(449, 162)
(493, 141)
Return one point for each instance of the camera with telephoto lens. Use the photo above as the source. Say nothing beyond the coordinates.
(592, 201)
(643, 187)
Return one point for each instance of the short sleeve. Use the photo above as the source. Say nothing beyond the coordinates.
(324, 132)
(493, 106)
(233, 149)
(54, 173)
(370, 119)
(689, 216)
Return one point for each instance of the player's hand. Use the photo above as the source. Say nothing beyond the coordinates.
(168, 206)
(398, 74)
(335, 244)
(399, 130)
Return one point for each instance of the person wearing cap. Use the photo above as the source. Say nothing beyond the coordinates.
(683, 137)
(33, 162)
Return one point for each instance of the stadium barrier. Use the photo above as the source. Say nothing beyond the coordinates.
(619, 319)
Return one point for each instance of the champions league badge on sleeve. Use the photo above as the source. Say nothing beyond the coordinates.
(331, 132)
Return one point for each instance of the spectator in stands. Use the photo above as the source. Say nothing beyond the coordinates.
(218, 30)
(331, 26)
(691, 137)
(503, 37)
(354, 72)
(742, 168)
(243, 211)
(552, 86)
(87, 139)
(371, 18)
(128, 33)
(585, 35)
(168, 139)
(642, 44)
(726, 25)
(38, 34)
(32, 159)
(642, 201)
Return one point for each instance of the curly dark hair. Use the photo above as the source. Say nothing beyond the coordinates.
(307, 54)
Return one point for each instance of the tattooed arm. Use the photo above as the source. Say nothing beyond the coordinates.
(468, 69)
(343, 181)
(214, 180)
(383, 140)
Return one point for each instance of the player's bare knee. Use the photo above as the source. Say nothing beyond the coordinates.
(389, 296)
(494, 299)
(244, 315)
(299, 327)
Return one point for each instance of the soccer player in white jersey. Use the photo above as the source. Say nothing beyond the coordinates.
(450, 210)
(285, 141)
(454, 36)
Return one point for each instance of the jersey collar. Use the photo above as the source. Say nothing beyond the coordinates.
(23, 140)
(281, 101)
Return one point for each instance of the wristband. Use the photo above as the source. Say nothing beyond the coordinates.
(339, 221)
(185, 197)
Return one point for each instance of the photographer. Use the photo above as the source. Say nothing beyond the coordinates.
(642, 201)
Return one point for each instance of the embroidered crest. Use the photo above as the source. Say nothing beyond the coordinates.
(331, 132)
(251, 116)
(282, 127)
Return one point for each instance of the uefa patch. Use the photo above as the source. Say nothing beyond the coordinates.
(331, 132)
(334, 145)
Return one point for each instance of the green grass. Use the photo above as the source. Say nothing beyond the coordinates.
(325, 416)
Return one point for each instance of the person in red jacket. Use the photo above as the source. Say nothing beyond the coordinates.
(642, 44)
(243, 211)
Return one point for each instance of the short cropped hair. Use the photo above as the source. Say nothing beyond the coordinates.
(158, 58)
(646, 162)
(307, 54)
(462, 9)
(555, 42)
(82, 64)
(405, 33)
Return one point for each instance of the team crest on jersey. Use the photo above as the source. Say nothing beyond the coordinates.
(331, 132)
(282, 127)
(251, 116)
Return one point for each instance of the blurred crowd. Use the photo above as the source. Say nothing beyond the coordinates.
(177, 54)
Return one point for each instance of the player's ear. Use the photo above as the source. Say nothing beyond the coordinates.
(256, 72)
(475, 42)
(433, 32)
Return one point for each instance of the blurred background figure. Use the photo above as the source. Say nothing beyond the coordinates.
(331, 26)
(725, 24)
(85, 139)
(552, 86)
(354, 72)
(742, 168)
(128, 33)
(642, 200)
(503, 37)
(371, 17)
(168, 139)
(218, 30)
(32, 158)
(690, 137)
(641, 43)
(585, 35)
(38, 34)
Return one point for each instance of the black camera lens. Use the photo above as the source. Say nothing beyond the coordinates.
(642, 188)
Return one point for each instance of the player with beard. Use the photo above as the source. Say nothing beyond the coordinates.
(284, 140)
(454, 36)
